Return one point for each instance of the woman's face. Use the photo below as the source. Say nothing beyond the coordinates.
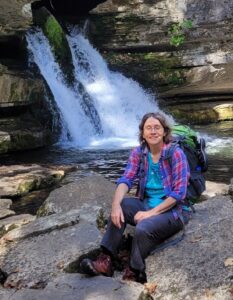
(153, 132)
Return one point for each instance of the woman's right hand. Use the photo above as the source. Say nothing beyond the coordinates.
(117, 215)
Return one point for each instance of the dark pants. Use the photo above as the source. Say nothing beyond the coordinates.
(149, 232)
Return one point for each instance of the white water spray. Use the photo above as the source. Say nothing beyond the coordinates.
(119, 102)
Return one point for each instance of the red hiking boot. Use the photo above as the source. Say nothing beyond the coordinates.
(101, 266)
(134, 275)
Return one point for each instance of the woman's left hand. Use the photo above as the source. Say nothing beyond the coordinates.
(141, 215)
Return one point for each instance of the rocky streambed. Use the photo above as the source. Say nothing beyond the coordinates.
(40, 254)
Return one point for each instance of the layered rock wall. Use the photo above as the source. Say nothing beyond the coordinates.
(23, 113)
(134, 37)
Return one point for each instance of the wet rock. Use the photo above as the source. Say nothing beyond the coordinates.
(14, 17)
(18, 180)
(17, 90)
(91, 194)
(58, 41)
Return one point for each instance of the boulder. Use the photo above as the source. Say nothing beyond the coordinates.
(213, 189)
(48, 251)
(91, 194)
(18, 180)
(197, 265)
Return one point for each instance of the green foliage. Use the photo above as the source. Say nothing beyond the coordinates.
(56, 37)
(177, 32)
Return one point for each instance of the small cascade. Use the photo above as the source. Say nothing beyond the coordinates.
(103, 108)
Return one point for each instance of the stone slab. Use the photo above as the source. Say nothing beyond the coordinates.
(92, 191)
(34, 261)
(196, 264)
(43, 225)
(77, 287)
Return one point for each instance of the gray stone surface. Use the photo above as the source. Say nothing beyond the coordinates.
(196, 265)
(77, 287)
(17, 220)
(5, 203)
(194, 269)
(43, 225)
(6, 213)
(34, 261)
(87, 193)
(215, 188)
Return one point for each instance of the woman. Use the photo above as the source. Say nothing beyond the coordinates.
(157, 211)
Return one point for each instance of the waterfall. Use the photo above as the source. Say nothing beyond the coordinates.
(103, 108)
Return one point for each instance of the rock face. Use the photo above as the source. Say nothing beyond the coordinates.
(199, 266)
(22, 96)
(134, 37)
(193, 81)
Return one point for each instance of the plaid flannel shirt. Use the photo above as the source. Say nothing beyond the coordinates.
(175, 174)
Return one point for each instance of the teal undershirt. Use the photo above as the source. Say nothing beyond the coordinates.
(154, 191)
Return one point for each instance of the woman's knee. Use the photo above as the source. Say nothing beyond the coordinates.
(141, 230)
(127, 203)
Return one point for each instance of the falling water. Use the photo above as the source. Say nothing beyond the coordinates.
(118, 102)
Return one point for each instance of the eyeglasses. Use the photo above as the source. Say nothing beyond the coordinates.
(153, 128)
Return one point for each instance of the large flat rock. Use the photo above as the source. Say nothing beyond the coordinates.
(77, 287)
(196, 266)
(32, 262)
(88, 193)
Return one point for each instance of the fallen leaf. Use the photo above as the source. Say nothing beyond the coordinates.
(228, 262)
(196, 238)
(150, 287)
(60, 265)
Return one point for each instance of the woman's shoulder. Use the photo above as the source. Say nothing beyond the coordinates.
(172, 149)
(136, 151)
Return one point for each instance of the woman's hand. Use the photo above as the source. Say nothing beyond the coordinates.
(141, 215)
(117, 216)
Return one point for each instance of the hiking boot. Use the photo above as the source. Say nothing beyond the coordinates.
(101, 266)
(134, 275)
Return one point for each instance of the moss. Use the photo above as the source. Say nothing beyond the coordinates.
(42, 211)
(27, 186)
(15, 93)
(152, 70)
(58, 42)
(193, 117)
(101, 220)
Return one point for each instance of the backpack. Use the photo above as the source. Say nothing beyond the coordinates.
(194, 149)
